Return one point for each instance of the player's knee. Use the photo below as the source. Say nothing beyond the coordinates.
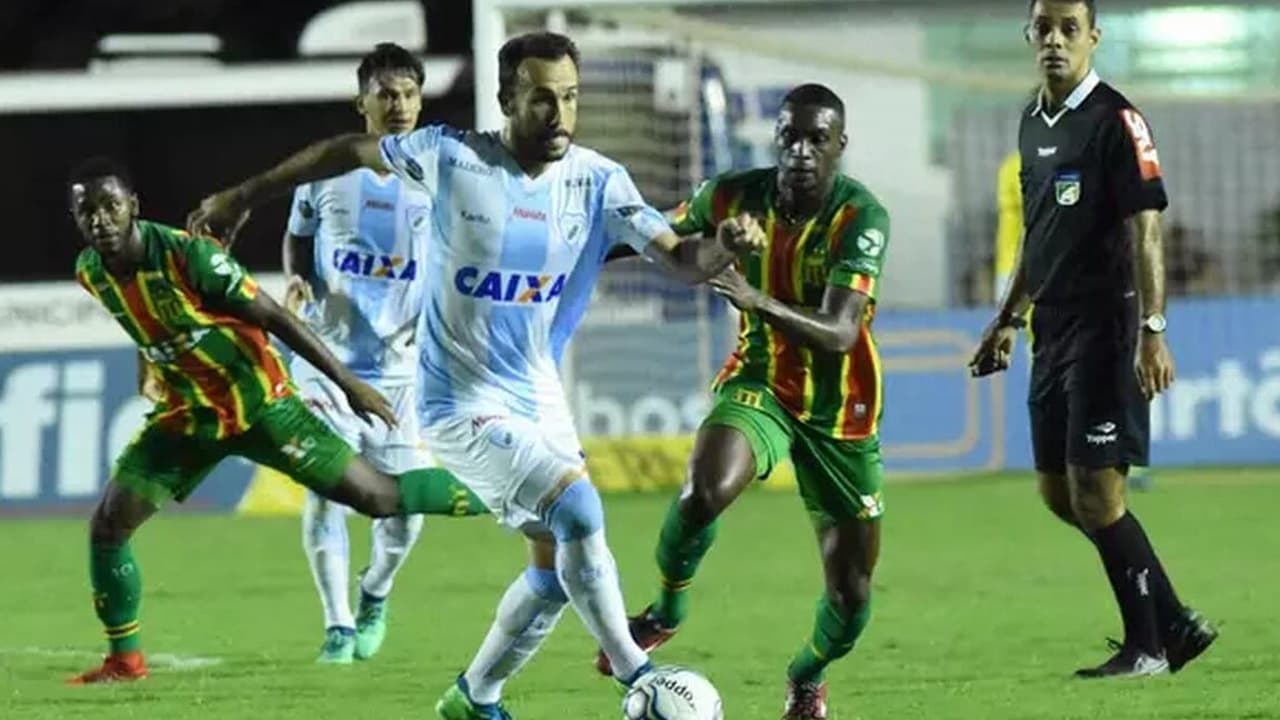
(1057, 497)
(851, 593)
(545, 583)
(702, 500)
(108, 527)
(577, 513)
(1097, 497)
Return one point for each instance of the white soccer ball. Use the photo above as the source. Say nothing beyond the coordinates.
(672, 693)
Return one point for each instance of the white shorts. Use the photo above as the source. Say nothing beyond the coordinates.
(391, 450)
(511, 463)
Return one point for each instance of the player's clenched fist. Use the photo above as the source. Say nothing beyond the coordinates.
(741, 234)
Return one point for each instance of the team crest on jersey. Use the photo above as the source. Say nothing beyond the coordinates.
(1067, 188)
(362, 264)
(573, 228)
(508, 287)
(418, 218)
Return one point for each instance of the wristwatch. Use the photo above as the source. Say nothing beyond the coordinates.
(1154, 323)
(1008, 319)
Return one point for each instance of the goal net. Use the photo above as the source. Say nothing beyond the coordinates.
(683, 89)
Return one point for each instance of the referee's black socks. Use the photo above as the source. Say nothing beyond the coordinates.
(1146, 598)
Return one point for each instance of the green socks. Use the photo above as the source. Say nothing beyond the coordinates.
(833, 638)
(435, 491)
(117, 594)
(680, 551)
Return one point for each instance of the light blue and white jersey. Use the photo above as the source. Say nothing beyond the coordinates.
(371, 235)
(505, 248)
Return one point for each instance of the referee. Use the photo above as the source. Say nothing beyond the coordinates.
(1091, 260)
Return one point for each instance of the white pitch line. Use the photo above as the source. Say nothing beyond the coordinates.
(166, 661)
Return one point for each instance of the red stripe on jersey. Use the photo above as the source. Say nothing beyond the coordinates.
(1144, 145)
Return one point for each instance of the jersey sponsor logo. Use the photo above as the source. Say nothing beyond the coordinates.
(1144, 146)
(528, 214)
(508, 287)
(373, 204)
(871, 242)
(361, 264)
(580, 182)
(169, 350)
(1067, 188)
(477, 218)
(1047, 151)
(474, 168)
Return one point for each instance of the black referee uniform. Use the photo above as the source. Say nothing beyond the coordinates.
(1086, 167)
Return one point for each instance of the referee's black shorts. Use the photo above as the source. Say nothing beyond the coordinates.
(1086, 406)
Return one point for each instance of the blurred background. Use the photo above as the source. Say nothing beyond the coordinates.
(196, 94)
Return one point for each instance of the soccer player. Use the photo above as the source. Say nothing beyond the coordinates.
(1092, 262)
(522, 218)
(354, 253)
(201, 320)
(804, 382)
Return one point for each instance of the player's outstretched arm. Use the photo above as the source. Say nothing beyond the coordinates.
(267, 314)
(833, 327)
(697, 259)
(327, 158)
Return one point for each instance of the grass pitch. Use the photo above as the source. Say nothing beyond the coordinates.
(983, 606)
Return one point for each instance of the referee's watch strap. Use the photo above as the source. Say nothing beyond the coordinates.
(1008, 319)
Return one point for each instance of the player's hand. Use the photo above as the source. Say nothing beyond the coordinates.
(367, 403)
(741, 234)
(298, 294)
(220, 215)
(732, 286)
(1154, 364)
(995, 350)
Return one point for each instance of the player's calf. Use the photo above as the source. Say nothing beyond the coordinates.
(588, 573)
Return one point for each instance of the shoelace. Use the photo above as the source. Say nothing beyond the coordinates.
(370, 613)
(806, 698)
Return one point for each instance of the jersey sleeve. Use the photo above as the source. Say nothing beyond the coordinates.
(694, 216)
(1134, 177)
(859, 249)
(415, 156)
(216, 276)
(304, 218)
(628, 219)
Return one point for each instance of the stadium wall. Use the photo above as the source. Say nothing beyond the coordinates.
(68, 405)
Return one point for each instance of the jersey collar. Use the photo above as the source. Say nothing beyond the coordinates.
(1073, 101)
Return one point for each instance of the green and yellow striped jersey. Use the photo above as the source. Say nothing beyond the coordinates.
(844, 246)
(217, 371)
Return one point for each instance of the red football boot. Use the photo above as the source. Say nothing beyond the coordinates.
(116, 667)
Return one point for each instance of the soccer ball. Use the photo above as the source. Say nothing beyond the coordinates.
(672, 693)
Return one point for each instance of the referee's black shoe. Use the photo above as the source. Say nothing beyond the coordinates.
(1187, 637)
(1127, 662)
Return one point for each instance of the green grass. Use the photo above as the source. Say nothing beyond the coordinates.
(983, 607)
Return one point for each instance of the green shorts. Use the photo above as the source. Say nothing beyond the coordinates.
(160, 465)
(839, 480)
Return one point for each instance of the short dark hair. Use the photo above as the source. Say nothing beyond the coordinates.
(98, 167)
(1091, 7)
(542, 45)
(388, 56)
(815, 95)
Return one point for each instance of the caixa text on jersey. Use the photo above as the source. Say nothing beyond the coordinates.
(508, 287)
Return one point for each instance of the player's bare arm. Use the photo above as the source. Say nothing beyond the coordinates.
(696, 259)
(1154, 362)
(326, 158)
(833, 327)
(270, 316)
(995, 350)
(298, 253)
